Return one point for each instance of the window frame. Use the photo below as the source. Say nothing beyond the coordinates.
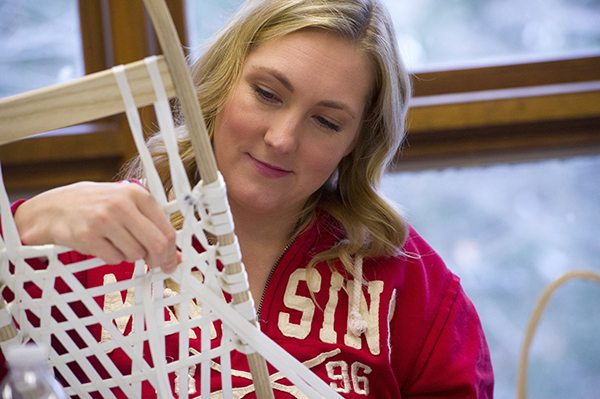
(93, 151)
(519, 112)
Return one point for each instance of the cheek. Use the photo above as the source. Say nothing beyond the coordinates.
(327, 155)
(227, 124)
(232, 133)
(225, 135)
(325, 158)
(322, 163)
(236, 120)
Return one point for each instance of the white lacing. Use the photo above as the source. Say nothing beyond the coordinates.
(151, 303)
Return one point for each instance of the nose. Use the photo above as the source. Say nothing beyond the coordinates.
(284, 132)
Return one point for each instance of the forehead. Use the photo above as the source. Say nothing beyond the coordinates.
(316, 58)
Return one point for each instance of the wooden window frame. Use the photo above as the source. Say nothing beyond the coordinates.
(113, 32)
(475, 116)
(504, 114)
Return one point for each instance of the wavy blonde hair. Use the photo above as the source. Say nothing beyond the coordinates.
(373, 227)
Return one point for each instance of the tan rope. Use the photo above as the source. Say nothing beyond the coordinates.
(8, 331)
(534, 320)
(357, 325)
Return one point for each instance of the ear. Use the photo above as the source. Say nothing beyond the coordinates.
(332, 181)
(349, 149)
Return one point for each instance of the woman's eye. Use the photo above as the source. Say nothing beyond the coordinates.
(266, 95)
(324, 122)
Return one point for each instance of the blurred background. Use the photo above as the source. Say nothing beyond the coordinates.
(500, 173)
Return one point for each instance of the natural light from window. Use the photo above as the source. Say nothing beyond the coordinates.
(40, 44)
(508, 231)
(452, 33)
(436, 33)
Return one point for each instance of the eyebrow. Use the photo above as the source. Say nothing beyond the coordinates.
(288, 85)
(337, 105)
(282, 79)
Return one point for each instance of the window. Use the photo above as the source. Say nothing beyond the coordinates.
(205, 18)
(508, 231)
(112, 32)
(498, 87)
(529, 92)
(479, 114)
(438, 33)
(40, 43)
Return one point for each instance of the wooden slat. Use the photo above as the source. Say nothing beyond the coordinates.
(504, 107)
(40, 177)
(502, 126)
(178, 14)
(542, 73)
(98, 141)
(173, 52)
(205, 160)
(500, 145)
(92, 35)
(128, 31)
(90, 97)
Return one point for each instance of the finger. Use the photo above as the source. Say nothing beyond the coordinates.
(108, 228)
(126, 243)
(150, 208)
(107, 251)
(139, 238)
(131, 236)
(154, 232)
(158, 243)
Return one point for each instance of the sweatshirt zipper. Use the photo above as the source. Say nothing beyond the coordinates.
(270, 276)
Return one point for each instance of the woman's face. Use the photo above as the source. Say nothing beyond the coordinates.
(294, 113)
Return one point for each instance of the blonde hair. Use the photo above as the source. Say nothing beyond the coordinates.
(351, 196)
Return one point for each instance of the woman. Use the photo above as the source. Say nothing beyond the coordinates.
(305, 103)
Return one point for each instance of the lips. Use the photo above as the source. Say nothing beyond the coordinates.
(268, 170)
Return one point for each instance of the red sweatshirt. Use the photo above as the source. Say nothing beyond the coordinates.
(424, 338)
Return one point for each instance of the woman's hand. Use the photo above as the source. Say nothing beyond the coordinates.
(114, 221)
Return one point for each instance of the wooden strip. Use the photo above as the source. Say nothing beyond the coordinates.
(98, 141)
(81, 100)
(169, 42)
(499, 145)
(534, 320)
(23, 181)
(503, 107)
(205, 160)
(92, 36)
(492, 77)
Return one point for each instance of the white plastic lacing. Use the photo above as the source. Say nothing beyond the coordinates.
(204, 209)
